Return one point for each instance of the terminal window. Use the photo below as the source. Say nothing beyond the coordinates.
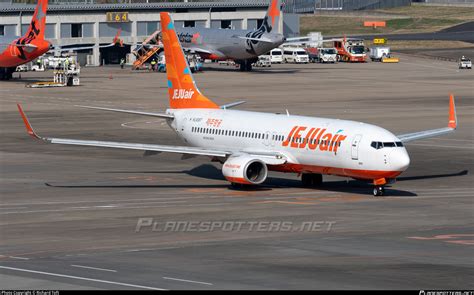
(226, 24)
(189, 24)
(76, 30)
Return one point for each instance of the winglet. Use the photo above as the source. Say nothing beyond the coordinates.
(453, 121)
(29, 129)
(117, 36)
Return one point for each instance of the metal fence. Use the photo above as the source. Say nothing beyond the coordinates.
(65, 2)
(310, 6)
(290, 6)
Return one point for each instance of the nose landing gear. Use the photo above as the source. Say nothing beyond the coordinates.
(379, 191)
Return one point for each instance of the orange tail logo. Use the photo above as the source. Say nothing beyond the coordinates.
(182, 90)
(38, 22)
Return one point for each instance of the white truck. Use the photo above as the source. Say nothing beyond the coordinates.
(465, 63)
(326, 55)
(378, 53)
(276, 56)
(295, 55)
(263, 61)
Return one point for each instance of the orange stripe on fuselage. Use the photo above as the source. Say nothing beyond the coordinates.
(354, 173)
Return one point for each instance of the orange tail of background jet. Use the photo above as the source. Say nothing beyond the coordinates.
(38, 22)
(182, 90)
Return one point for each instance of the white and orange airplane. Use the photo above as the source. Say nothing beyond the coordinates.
(249, 144)
(20, 50)
(15, 51)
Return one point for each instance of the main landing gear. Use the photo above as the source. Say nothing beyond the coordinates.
(6, 73)
(311, 179)
(246, 65)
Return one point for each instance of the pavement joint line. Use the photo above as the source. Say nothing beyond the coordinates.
(187, 281)
(18, 257)
(80, 278)
(94, 268)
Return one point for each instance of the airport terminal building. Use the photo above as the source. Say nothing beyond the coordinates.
(95, 24)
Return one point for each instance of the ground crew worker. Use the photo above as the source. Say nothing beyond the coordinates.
(122, 62)
(153, 65)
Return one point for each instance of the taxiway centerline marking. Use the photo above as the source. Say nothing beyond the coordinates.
(187, 281)
(81, 278)
(95, 268)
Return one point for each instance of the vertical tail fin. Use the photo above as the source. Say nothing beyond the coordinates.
(272, 18)
(182, 90)
(38, 21)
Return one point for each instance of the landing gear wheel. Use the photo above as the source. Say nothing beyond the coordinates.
(311, 179)
(248, 65)
(379, 191)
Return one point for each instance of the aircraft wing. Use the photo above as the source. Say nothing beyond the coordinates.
(198, 50)
(269, 158)
(160, 115)
(114, 42)
(452, 125)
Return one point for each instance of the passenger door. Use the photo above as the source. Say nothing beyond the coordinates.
(266, 140)
(355, 147)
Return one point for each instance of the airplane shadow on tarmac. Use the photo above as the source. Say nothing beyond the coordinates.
(209, 171)
(29, 80)
(254, 71)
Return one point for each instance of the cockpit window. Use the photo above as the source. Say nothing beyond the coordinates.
(380, 145)
(375, 144)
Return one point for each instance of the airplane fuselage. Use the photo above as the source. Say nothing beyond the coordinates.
(228, 44)
(13, 56)
(311, 145)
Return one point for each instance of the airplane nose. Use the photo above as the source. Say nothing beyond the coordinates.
(400, 159)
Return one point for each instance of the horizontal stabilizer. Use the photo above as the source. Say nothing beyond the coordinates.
(232, 104)
(256, 39)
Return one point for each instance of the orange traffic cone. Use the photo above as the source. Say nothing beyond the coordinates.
(110, 77)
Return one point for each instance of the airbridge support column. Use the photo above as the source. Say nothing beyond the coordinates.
(131, 57)
(96, 50)
(96, 55)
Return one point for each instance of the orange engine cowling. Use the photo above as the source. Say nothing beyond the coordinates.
(245, 170)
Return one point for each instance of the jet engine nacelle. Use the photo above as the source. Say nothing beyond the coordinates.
(245, 170)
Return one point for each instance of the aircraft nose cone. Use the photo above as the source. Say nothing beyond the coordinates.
(400, 159)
